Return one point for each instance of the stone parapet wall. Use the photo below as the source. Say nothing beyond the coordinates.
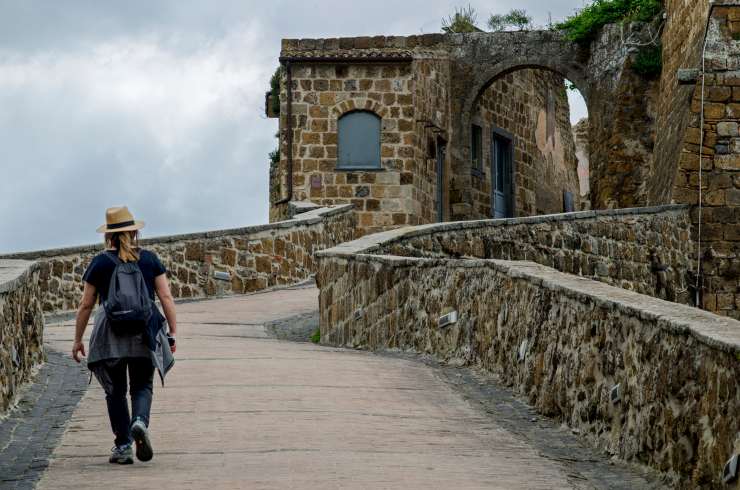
(21, 326)
(561, 341)
(647, 250)
(255, 258)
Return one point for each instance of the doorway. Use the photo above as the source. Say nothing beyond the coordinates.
(440, 157)
(502, 163)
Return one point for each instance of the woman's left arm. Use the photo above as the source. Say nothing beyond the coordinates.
(162, 287)
(89, 294)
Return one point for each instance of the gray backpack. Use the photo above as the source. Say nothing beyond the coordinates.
(128, 306)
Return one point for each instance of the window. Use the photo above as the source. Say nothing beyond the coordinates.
(476, 152)
(359, 141)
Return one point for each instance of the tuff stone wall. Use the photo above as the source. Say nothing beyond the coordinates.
(622, 115)
(682, 40)
(580, 138)
(21, 326)
(561, 341)
(720, 159)
(255, 257)
(531, 105)
(647, 250)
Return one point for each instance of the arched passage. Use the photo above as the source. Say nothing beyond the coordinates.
(482, 60)
(520, 150)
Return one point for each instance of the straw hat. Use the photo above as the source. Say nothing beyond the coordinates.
(119, 219)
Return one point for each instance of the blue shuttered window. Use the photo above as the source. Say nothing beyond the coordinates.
(359, 141)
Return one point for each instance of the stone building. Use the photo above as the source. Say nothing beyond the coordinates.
(372, 130)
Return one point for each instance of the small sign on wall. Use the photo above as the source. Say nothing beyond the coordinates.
(316, 181)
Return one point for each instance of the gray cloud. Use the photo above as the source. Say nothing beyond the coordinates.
(158, 105)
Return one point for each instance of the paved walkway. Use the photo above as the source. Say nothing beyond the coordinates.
(244, 410)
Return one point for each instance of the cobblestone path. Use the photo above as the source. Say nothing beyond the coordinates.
(242, 409)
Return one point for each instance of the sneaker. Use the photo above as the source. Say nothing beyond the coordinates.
(140, 434)
(121, 455)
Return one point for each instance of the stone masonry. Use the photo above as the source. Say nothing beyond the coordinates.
(532, 105)
(321, 94)
(563, 342)
(21, 327)
(719, 146)
(580, 138)
(255, 258)
(646, 250)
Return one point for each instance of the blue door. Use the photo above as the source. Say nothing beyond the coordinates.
(501, 176)
(441, 150)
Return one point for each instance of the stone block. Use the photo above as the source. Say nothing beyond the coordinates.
(733, 197)
(729, 129)
(195, 251)
(727, 162)
(715, 111)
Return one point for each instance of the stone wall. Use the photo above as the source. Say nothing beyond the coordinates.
(580, 138)
(531, 105)
(622, 119)
(21, 327)
(431, 78)
(255, 258)
(682, 40)
(561, 341)
(646, 250)
(720, 162)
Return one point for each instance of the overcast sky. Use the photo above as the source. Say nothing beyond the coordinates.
(159, 105)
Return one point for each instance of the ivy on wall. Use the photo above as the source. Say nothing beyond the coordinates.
(274, 155)
(649, 62)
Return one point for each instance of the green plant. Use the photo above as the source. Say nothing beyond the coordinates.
(649, 62)
(517, 18)
(586, 23)
(274, 156)
(316, 337)
(463, 20)
(275, 89)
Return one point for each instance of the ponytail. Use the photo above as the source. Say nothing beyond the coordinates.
(126, 243)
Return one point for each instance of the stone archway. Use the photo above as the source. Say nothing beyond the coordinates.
(481, 58)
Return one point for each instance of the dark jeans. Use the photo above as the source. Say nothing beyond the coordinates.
(141, 376)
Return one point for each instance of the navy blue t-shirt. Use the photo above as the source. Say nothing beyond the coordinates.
(101, 269)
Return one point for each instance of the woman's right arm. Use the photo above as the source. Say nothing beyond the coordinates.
(83, 316)
(162, 286)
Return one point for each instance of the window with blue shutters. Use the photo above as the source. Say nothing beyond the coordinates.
(359, 141)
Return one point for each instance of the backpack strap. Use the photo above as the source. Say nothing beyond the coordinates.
(113, 256)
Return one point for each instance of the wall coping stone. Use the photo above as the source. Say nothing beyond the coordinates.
(374, 242)
(303, 219)
(13, 273)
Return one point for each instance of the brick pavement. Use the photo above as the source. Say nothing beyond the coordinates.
(244, 410)
(31, 431)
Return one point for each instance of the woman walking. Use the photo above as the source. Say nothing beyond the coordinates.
(129, 338)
